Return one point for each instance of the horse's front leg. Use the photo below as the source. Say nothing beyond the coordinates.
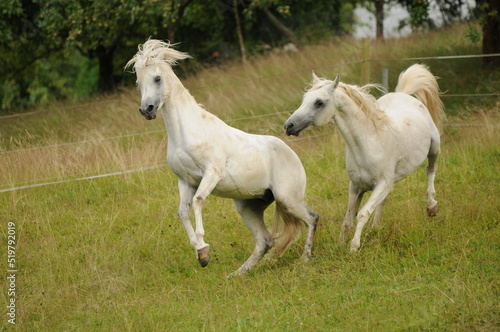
(377, 197)
(207, 184)
(355, 196)
(378, 215)
(186, 193)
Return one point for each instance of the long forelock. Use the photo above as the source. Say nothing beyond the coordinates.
(155, 52)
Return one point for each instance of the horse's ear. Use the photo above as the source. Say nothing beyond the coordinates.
(336, 81)
(334, 84)
(315, 78)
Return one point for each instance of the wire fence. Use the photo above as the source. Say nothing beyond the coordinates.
(37, 183)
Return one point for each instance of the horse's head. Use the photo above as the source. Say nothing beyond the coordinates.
(317, 106)
(151, 84)
(152, 64)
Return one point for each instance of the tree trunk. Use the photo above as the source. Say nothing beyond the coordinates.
(240, 33)
(281, 27)
(491, 34)
(379, 16)
(172, 27)
(105, 58)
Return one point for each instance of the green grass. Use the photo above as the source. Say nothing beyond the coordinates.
(111, 254)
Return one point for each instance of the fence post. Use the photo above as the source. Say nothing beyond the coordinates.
(365, 66)
(385, 79)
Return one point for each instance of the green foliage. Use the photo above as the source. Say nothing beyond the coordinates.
(87, 80)
(47, 80)
(473, 35)
(109, 31)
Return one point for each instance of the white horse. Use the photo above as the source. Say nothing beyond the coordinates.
(387, 139)
(210, 157)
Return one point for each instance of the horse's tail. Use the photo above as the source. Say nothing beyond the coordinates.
(419, 82)
(286, 229)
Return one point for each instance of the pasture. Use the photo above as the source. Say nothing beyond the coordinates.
(110, 253)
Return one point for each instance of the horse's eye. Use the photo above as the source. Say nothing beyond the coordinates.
(319, 103)
(157, 79)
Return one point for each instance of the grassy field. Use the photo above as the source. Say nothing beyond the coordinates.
(111, 254)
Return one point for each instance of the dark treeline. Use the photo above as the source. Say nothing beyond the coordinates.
(73, 48)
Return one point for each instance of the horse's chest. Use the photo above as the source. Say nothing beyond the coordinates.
(185, 167)
(363, 178)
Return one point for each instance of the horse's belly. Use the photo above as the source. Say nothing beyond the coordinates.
(229, 189)
(407, 165)
(243, 181)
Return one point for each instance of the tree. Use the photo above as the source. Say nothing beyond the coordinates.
(490, 22)
(96, 28)
(283, 6)
(69, 37)
(379, 17)
(239, 31)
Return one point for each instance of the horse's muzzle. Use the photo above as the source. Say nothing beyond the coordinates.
(148, 112)
(292, 129)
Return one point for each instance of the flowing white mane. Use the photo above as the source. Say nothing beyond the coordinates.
(155, 52)
(361, 96)
(365, 101)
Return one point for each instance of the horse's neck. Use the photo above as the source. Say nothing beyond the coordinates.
(357, 129)
(181, 113)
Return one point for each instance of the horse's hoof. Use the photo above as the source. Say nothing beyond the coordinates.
(432, 212)
(234, 274)
(204, 256)
(354, 247)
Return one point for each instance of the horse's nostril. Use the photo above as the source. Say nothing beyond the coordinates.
(150, 108)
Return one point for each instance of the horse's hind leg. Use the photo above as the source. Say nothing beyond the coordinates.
(309, 217)
(432, 204)
(252, 213)
(311, 223)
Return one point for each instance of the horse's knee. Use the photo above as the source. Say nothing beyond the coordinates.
(363, 217)
(198, 202)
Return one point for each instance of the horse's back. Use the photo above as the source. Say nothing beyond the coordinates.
(405, 110)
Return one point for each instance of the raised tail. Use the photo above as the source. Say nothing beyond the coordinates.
(286, 229)
(419, 82)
